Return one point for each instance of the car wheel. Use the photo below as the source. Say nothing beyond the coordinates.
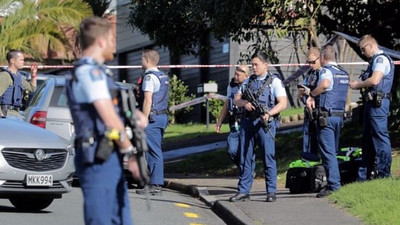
(31, 203)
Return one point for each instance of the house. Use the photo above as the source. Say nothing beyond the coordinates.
(131, 43)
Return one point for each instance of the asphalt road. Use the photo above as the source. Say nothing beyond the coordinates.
(172, 208)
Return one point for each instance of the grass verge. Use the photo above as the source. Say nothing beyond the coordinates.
(375, 202)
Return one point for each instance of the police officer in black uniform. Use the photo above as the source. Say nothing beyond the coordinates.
(101, 140)
(235, 113)
(13, 84)
(376, 84)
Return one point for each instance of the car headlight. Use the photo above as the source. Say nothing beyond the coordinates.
(71, 149)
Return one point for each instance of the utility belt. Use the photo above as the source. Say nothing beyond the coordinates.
(323, 116)
(10, 107)
(234, 120)
(95, 148)
(156, 113)
(159, 112)
(375, 98)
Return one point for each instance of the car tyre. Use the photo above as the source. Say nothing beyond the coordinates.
(31, 203)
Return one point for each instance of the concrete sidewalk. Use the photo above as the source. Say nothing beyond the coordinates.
(299, 209)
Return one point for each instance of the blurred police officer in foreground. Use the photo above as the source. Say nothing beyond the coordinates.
(376, 84)
(98, 159)
(13, 84)
(310, 145)
(154, 104)
(329, 98)
(235, 114)
(259, 125)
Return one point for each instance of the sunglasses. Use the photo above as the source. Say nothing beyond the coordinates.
(363, 48)
(240, 70)
(312, 61)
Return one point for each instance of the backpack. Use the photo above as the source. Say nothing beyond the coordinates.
(305, 176)
(349, 159)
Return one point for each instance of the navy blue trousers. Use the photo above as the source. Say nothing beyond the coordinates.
(251, 133)
(310, 143)
(154, 135)
(376, 141)
(233, 147)
(328, 144)
(104, 190)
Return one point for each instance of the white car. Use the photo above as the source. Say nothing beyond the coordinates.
(36, 166)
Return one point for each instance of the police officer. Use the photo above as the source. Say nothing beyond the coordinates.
(13, 84)
(154, 104)
(98, 161)
(329, 98)
(259, 125)
(376, 84)
(235, 113)
(310, 145)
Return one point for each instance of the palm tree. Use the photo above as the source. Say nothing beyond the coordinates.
(40, 28)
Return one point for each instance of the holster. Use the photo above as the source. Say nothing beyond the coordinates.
(310, 114)
(323, 118)
(104, 148)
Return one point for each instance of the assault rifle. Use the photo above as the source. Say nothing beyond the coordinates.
(260, 111)
(138, 137)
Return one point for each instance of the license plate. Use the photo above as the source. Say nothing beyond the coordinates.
(39, 180)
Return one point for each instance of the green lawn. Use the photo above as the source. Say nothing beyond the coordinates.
(292, 111)
(186, 131)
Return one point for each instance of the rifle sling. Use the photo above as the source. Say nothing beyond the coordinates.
(266, 82)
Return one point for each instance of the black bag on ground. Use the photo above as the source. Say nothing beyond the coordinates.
(349, 159)
(305, 177)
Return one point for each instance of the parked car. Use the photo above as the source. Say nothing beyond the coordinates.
(48, 108)
(36, 166)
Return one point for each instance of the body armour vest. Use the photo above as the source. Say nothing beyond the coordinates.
(335, 99)
(160, 98)
(13, 95)
(87, 121)
(266, 97)
(385, 85)
(310, 81)
(235, 113)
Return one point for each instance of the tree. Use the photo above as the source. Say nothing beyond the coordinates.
(40, 28)
(180, 25)
(99, 7)
(177, 95)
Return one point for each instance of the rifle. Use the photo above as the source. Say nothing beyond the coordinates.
(260, 111)
(137, 137)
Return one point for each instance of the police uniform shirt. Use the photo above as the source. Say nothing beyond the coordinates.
(228, 91)
(276, 87)
(381, 64)
(91, 85)
(151, 82)
(327, 74)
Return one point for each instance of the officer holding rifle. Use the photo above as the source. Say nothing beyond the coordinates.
(263, 96)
